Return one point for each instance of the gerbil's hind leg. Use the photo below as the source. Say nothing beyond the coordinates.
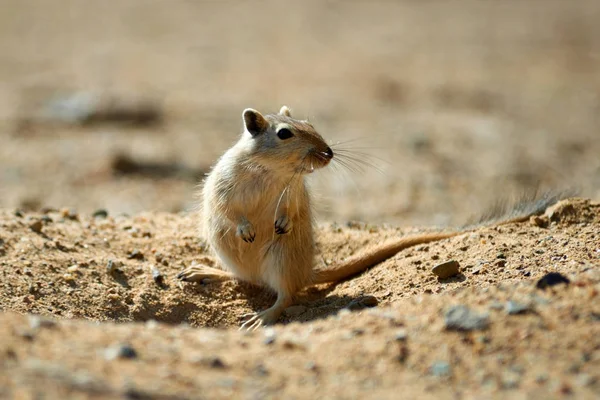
(269, 316)
(197, 273)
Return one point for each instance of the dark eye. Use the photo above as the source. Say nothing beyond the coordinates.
(284, 134)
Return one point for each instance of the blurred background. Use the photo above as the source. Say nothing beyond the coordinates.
(124, 105)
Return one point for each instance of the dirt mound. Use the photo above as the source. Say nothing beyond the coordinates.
(512, 335)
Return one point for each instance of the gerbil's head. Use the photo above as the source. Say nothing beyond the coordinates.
(279, 142)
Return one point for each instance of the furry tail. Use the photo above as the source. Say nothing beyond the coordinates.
(503, 212)
(375, 255)
(518, 209)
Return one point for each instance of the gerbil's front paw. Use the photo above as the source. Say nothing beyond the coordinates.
(283, 225)
(245, 230)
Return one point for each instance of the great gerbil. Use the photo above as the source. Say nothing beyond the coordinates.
(256, 213)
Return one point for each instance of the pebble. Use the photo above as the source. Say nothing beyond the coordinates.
(551, 279)
(440, 368)
(512, 307)
(212, 362)
(113, 266)
(120, 351)
(73, 268)
(295, 311)
(401, 335)
(36, 226)
(446, 269)
(461, 318)
(541, 222)
(135, 255)
(363, 302)
(101, 213)
(69, 214)
(156, 275)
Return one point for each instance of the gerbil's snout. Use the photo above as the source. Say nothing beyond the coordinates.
(328, 153)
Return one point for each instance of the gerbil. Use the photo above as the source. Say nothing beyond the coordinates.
(256, 213)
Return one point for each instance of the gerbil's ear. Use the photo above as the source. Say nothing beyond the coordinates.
(254, 122)
(285, 111)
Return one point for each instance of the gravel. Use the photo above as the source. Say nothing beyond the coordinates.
(462, 318)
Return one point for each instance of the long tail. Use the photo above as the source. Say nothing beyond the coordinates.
(375, 255)
(502, 213)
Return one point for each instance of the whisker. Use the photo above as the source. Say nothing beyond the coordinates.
(357, 152)
(358, 162)
(349, 166)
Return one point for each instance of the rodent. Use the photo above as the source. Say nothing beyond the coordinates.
(257, 217)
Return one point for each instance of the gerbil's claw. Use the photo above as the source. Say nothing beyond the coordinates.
(283, 225)
(246, 232)
(202, 273)
(253, 323)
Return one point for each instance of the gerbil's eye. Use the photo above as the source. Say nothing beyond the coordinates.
(284, 134)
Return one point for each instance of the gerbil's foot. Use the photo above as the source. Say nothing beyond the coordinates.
(269, 316)
(245, 230)
(283, 225)
(253, 321)
(199, 273)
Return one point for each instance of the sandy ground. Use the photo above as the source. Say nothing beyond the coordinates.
(449, 105)
(72, 328)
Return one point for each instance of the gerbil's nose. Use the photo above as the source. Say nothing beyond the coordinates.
(328, 153)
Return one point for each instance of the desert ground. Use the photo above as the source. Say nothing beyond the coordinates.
(112, 112)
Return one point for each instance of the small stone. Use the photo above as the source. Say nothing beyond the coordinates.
(213, 362)
(69, 214)
(363, 302)
(461, 318)
(135, 255)
(440, 368)
(156, 275)
(295, 311)
(73, 268)
(36, 226)
(18, 213)
(401, 336)
(446, 269)
(512, 308)
(62, 247)
(551, 279)
(120, 351)
(539, 221)
(113, 266)
(101, 213)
